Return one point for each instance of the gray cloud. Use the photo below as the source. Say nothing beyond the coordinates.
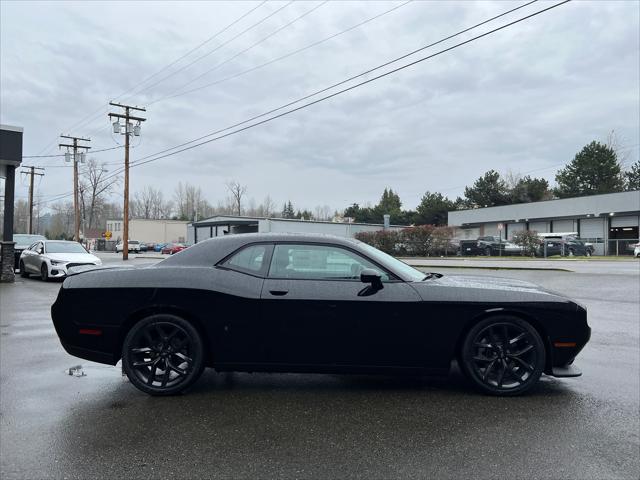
(527, 98)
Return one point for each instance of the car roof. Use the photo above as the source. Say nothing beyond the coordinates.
(212, 250)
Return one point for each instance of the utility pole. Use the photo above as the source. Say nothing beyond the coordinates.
(32, 173)
(76, 157)
(129, 129)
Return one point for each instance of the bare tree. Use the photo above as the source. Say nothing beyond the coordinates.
(94, 186)
(268, 206)
(237, 192)
(150, 203)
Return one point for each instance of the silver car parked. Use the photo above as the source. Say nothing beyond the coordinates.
(54, 258)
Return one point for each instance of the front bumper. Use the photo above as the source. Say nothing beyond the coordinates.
(62, 270)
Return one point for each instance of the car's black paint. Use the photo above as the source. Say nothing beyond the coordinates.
(249, 324)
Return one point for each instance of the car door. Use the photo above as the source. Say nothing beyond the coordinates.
(316, 312)
(32, 257)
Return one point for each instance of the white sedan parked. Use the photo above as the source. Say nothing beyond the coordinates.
(53, 258)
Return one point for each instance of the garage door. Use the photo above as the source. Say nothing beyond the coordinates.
(563, 226)
(592, 230)
(490, 229)
(515, 227)
(630, 221)
(540, 227)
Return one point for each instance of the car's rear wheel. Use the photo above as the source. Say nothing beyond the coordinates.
(44, 272)
(503, 355)
(487, 251)
(23, 272)
(163, 355)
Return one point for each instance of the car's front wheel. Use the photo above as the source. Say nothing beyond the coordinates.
(503, 355)
(44, 272)
(163, 355)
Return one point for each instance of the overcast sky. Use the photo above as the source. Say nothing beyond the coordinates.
(524, 99)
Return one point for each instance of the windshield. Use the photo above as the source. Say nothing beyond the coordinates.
(27, 239)
(65, 247)
(396, 265)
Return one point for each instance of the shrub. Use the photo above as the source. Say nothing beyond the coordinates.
(422, 240)
(528, 240)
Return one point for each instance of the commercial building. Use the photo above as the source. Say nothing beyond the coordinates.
(229, 225)
(609, 221)
(145, 230)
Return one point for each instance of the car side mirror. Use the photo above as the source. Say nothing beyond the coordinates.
(369, 275)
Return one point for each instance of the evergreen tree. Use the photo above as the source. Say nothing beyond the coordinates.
(433, 209)
(594, 170)
(487, 191)
(633, 177)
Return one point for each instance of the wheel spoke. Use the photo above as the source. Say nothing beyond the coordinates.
(488, 369)
(183, 357)
(522, 352)
(152, 372)
(179, 371)
(501, 374)
(483, 345)
(521, 362)
(517, 338)
(165, 377)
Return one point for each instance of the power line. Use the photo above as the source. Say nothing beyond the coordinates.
(317, 92)
(259, 22)
(262, 40)
(92, 116)
(158, 155)
(62, 154)
(287, 55)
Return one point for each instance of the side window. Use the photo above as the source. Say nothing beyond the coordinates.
(319, 262)
(39, 248)
(250, 259)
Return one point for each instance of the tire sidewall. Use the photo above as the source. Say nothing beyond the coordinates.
(467, 353)
(23, 271)
(198, 354)
(44, 272)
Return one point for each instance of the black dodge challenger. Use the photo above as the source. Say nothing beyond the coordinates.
(313, 303)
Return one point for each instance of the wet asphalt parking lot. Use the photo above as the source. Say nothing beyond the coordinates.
(53, 425)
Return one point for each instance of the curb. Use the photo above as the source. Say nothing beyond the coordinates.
(493, 268)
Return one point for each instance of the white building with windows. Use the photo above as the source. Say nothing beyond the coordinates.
(609, 221)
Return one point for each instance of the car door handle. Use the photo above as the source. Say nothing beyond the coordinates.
(278, 293)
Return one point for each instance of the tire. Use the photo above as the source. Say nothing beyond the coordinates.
(502, 370)
(23, 272)
(44, 272)
(487, 251)
(164, 343)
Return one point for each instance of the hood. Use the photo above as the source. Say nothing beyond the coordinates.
(73, 257)
(478, 288)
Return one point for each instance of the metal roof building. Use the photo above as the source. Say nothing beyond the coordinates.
(609, 221)
(229, 225)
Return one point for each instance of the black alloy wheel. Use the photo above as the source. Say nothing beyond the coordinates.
(503, 356)
(163, 355)
(44, 272)
(23, 272)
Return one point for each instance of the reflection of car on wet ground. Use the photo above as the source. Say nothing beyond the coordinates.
(22, 242)
(54, 258)
(313, 303)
